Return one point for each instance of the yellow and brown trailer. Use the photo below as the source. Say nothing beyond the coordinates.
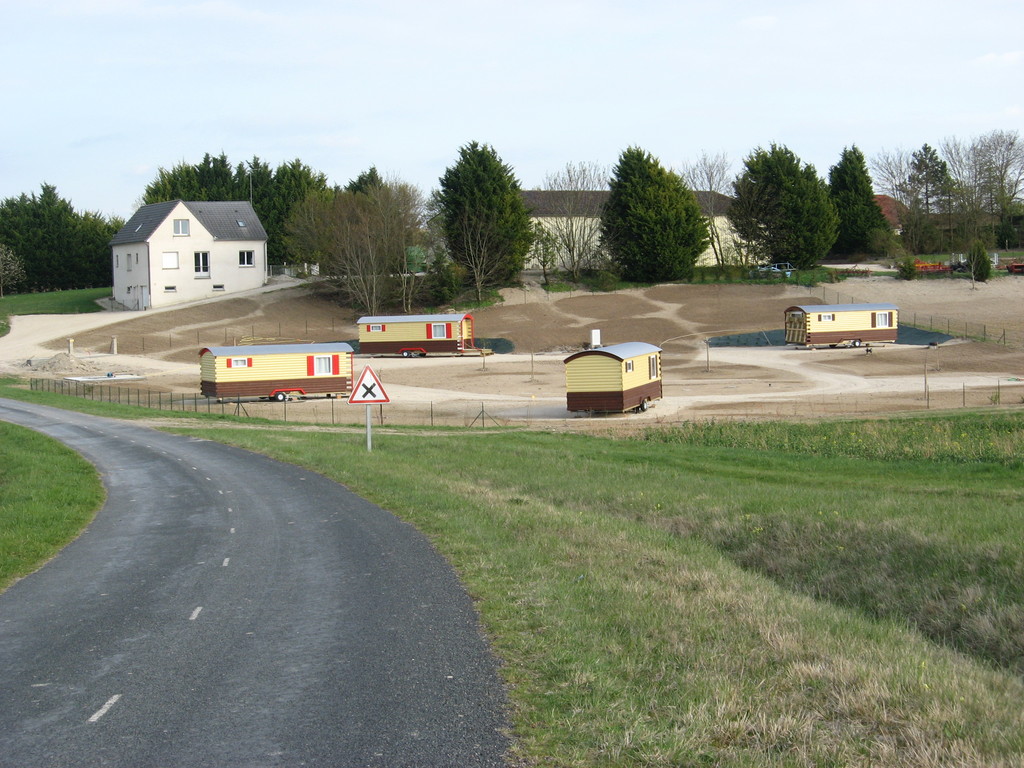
(847, 325)
(613, 379)
(276, 370)
(417, 335)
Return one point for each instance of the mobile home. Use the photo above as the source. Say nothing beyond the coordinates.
(418, 335)
(613, 379)
(841, 324)
(276, 370)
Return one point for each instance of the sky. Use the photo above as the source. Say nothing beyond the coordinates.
(101, 94)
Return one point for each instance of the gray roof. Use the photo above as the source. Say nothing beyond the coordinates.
(809, 308)
(225, 220)
(589, 203)
(278, 349)
(412, 318)
(622, 351)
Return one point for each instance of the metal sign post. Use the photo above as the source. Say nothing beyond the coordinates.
(368, 391)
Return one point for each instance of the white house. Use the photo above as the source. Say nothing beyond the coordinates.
(177, 252)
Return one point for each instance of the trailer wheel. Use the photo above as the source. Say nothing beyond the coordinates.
(406, 353)
(280, 397)
(642, 407)
(856, 342)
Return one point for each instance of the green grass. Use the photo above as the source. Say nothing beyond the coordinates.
(51, 303)
(833, 594)
(38, 516)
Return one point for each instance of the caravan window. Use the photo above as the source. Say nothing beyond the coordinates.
(883, 319)
(652, 366)
(322, 365)
(827, 318)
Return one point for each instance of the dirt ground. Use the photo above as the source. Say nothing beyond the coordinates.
(528, 385)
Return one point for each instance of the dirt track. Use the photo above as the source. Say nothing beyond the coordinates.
(529, 385)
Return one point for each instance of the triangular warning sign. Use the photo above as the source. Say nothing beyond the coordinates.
(368, 389)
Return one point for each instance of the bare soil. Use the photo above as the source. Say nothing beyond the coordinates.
(528, 385)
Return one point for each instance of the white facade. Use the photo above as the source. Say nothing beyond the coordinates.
(176, 259)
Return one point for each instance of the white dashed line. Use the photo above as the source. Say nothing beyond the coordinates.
(105, 708)
(195, 613)
(226, 561)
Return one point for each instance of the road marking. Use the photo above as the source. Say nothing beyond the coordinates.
(226, 561)
(232, 530)
(105, 708)
(195, 613)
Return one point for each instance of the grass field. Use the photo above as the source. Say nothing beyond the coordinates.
(835, 594)
(52, 303)
(37, 515)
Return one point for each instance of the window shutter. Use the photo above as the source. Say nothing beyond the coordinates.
(335, 364)
(249, 363)
(819, 318)
(430, 331)
(309, 365)
(874, 319)
(229, 362)
(447, 330)
(383, 328)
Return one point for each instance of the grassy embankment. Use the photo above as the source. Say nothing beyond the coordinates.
(726, 594)
(52, 303)
(37, 515)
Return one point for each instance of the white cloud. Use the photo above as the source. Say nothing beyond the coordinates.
(1006, 59)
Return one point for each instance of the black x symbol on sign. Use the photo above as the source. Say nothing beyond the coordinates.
(368, 389)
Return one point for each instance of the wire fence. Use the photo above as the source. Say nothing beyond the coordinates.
(321, 411)
(934, 393)
(926, 321)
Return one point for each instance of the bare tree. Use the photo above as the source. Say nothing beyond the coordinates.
(891, 172)
(968, 167)
(361, 241)
(12, 269)
(711, 177)
(574, 218)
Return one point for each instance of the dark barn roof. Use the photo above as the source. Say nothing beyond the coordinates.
(225, 220)
(544, 202)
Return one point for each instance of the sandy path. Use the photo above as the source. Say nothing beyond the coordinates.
(545, 328)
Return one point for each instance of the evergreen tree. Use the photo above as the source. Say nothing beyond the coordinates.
(860, 218)
(365, 181)
(485, 224)
(782, 209)
(59, 248)
(273, 193)
(652, 224)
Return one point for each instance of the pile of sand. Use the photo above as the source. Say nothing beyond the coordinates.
(65, 364)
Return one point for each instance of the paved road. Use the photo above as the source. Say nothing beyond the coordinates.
(229, 610)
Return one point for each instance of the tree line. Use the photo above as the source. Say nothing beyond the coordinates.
(383, 243)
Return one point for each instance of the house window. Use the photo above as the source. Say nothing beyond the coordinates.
(181, 227)
(128, 262)
(629, 366)
(169, 259)
(826, 318)
(375, 328)
(439, 330)
(245, 259)
(238, 362)
(883, 320)
(322, 365)
(170, 289)
(117, 260)
(218, 286)
(652, 366)
(202, 262)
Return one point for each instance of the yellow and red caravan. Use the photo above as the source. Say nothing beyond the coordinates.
(841, 324)
(276, 370)
(613, 379)
(409, 335)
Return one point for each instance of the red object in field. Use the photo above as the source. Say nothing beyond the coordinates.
(1016, 268)
(926, 266)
